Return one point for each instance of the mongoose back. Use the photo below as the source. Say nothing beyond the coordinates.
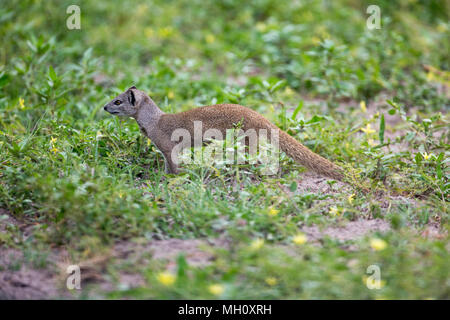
(159, 127)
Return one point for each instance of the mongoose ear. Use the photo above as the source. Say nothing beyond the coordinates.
(131, 96)
(133, 87)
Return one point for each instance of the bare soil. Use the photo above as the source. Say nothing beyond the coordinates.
(352, 230)
(19, 279)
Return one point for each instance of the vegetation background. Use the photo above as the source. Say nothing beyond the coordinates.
(78, 186)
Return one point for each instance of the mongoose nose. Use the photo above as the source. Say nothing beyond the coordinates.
(104, 108)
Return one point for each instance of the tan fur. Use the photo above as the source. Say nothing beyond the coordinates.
(159, 127)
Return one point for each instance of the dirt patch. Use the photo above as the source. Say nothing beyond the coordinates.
(195, 250)
(20, 280)
(17, 279)
(352, 230)
(27, 284)
(134, 254)
(311, 182)
(434, 231)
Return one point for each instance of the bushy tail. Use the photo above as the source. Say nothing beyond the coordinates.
(307, 158)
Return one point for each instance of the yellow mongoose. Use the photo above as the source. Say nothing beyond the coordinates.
(159, 128)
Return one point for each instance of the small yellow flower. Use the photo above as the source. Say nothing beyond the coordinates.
(217, 172)
(54, 150)
(363, 106)
(368, 129)
(166, 278)
(300, 239)
(210, 38)
(120, 194)
(165, 32)
(273, 212)
(371, 142)
(378, 244)
(170, 94)
(216, 289)
(257, 244)
(351, 198)
(149, 142)
(21, 103)
(334, 211)
(271, 281)
(288, 91)
(53, 140)
(261, 26)
(427, 156)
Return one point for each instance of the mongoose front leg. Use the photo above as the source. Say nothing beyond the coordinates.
(170, 158)
(169, 166)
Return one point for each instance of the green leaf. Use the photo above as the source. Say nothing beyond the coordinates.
(31, 46)
(277, 86)
(4, 79)
(392, 103)
(418, 158)
(382, 127)
(297, 110)
(182, 267)
(293, 186)
(52, 74)
(438, 171)
(392, 112)
(315, 118)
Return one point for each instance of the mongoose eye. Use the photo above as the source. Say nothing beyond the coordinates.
(117, 102)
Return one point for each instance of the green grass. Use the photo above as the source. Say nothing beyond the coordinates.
(83, 180)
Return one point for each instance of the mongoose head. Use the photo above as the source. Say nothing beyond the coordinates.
(126, 104)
